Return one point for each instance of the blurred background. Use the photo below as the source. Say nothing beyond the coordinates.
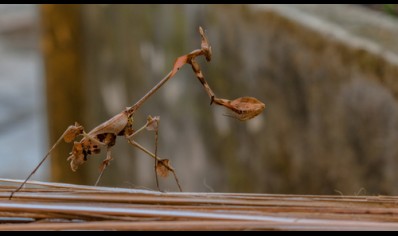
(327, 74)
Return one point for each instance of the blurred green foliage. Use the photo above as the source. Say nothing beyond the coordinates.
(391, 9)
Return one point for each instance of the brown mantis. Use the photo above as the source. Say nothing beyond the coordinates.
(104, 135)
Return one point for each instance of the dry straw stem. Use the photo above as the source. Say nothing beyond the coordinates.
(53, 206)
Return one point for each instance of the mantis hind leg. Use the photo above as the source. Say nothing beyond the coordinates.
(68, 136)
(107, 140)
(104, 164)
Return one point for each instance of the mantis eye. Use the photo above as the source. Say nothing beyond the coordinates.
(206, 48)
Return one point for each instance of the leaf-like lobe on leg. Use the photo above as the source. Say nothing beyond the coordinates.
(152, 123)
(163, 167)
(244, 108)
(72, 132)
(77, 156)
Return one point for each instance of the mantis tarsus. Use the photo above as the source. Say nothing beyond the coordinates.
(104, 135)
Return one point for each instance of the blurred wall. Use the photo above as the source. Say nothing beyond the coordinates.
(331, 122)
